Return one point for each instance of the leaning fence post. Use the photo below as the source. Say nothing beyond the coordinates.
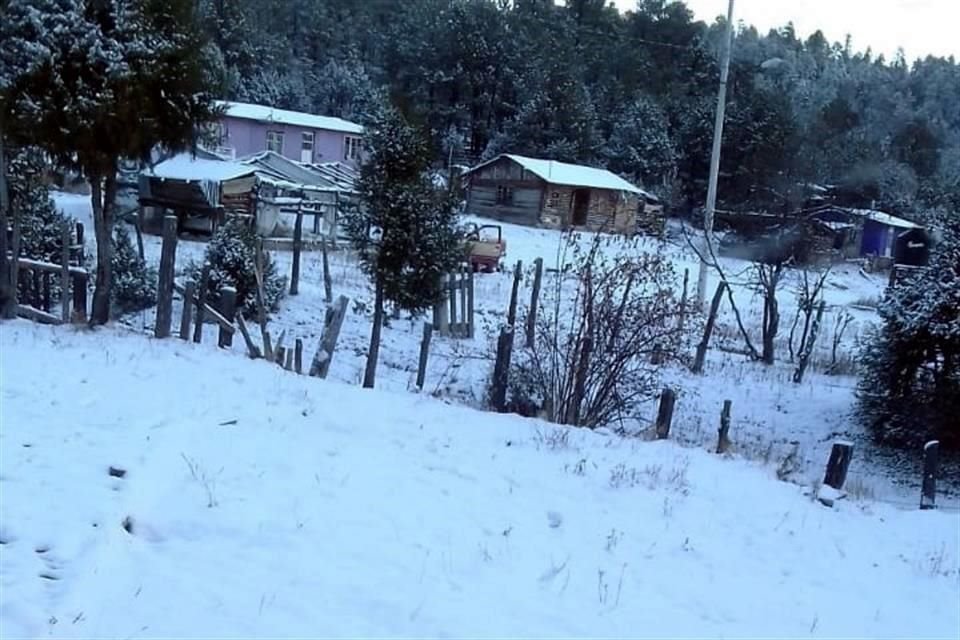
(723, 439)
(424, 353)
(931, 459)
(837, 465)
(168, 258)
(186, 312)
(252, 349)
(517, 276)
(333, 321)
(297, 241)
(327, 283)
(534, 302)
(64, 272)
(701, 356)
(668, 399)
(228, 307)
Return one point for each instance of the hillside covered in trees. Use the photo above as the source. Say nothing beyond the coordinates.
(632, 91)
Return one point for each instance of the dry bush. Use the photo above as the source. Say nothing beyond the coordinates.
(604, 326)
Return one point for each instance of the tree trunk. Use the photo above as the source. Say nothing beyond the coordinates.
(370, 374)
(102, 196)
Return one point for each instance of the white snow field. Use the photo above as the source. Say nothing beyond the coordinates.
(258, 503)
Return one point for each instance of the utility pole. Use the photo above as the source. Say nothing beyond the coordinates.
(706, 248)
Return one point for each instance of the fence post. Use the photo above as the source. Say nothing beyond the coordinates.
(723, 439)
(297, 241)
(444, 315)
(228, 307)
(471, 329)
(138, 227)
(517, 275)
(668, 399)
(424, 353)
(701, 356)
(298, 356)
(201, 302)
(288, 365)
(681, 321)
(501, 369)
(451, 281)
(928, 495)
(64, 272)
(252, 349)
(186, 312)
(327, 283)
(534, 302)
(837, 465)
(45, 277)
(79, 298)
(168, 258)
(333, 321)
(464, 315)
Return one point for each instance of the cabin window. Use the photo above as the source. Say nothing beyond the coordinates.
(504, 195)
(275, 141)
(554, 199)
(351, 148)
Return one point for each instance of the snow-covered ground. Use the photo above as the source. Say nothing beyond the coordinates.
(772, 417)
(260, 503)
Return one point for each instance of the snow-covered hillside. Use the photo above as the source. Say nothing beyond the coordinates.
(258, 503)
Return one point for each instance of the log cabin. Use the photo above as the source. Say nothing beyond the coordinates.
(554, 194)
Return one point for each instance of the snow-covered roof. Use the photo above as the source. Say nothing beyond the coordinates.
(572, 175)
(187, 167)
(885, 218)
(262, 113)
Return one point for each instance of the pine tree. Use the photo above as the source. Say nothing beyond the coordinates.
(909, 387)
(120, 78)
(403, 229)
(231, 255)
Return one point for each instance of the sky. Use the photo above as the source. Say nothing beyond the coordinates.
(921, 27)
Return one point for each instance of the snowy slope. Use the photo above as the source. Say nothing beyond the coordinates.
(261, 503)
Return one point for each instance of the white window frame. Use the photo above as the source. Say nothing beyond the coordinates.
(351, 147)
(307, 144)
(275, 139)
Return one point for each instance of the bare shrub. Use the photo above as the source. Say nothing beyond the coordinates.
(599, 326)
(552, 439)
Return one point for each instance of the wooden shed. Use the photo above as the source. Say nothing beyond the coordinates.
(557, 194)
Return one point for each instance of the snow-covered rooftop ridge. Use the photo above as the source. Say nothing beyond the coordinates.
(262, 113)
(885, 218)
(185, 166)
(572, 175)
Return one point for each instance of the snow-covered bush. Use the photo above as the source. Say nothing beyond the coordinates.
(601, 325)
(909, 388)
(134, 284)
(232, 256)
(41, 223)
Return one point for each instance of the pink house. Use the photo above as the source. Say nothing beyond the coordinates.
(303, 137)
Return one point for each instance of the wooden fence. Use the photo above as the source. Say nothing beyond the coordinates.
(453, 316)
(43, 286)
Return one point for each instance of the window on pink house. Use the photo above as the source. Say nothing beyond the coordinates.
(275, 141)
